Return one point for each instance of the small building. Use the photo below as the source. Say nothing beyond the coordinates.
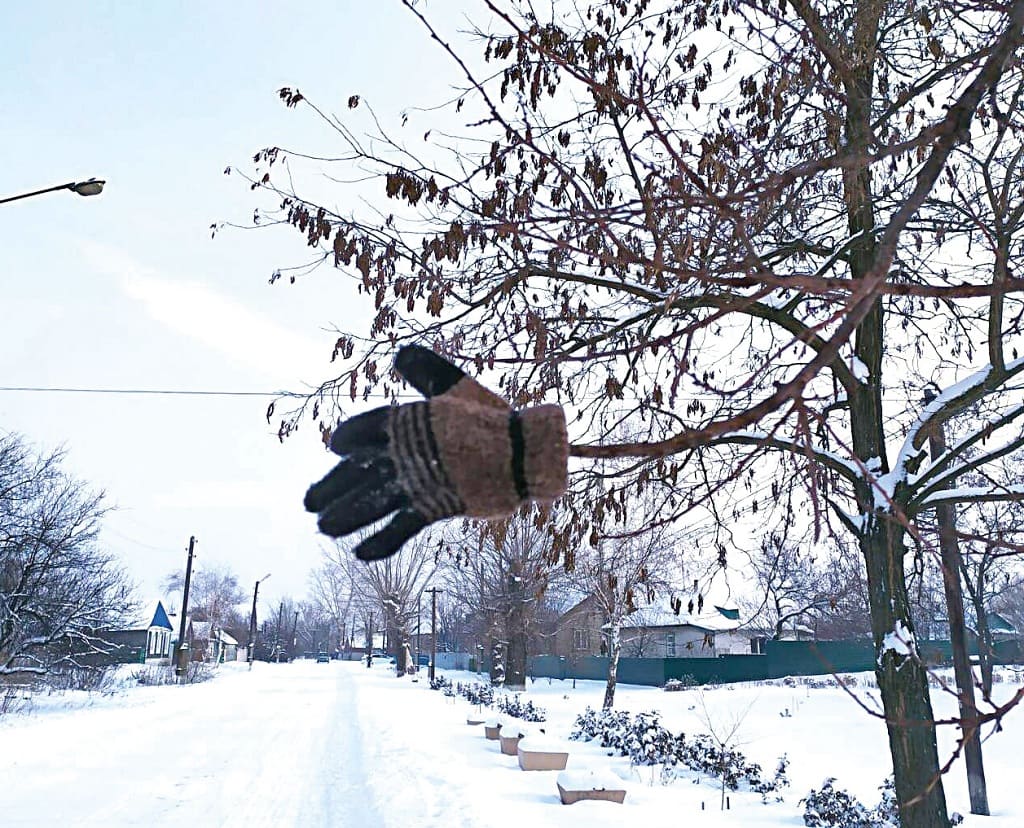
(210, 643)
(579, 631)
(150, 639)
(659, 631)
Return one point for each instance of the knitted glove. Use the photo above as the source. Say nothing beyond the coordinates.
(463, 451)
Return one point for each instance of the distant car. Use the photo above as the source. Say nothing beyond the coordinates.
(322, 658)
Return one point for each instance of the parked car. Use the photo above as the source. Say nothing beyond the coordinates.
(322, 658)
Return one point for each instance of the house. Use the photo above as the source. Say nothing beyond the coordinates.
(662, 630)
(210, 643)
(579, 631)
(937, 629)
(149, 639)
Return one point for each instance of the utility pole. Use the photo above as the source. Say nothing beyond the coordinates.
(278, 638)
(419, 617)
(433, 630)
(252, 621)
(945, 516)
(181, 655)
(295, 627)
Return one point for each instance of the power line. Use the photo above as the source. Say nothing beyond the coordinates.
(160, 391)
(893, 398)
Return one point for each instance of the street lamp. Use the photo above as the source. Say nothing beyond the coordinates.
(252, 620)
(94, 186)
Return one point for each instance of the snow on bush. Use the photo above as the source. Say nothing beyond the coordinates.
(477, 693)
(14, 699)
(681, 683)
(832, 807)
(518, 709)
(441, 683)
(645, 741)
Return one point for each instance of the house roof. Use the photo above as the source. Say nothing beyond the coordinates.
(158, 617)
(226, 637)
(661, 614)
(999, 625)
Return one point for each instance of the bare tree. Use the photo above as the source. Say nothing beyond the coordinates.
(58, 588)
(214, 596)
(710, 221)
(992, 548)
(621, 572)
(794, 584)
(388, 589)
(501, 576)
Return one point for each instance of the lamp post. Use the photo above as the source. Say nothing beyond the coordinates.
(252, 620)
(94, 186)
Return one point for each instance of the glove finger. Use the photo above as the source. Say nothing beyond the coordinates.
(358, 471)
(370, 504)
(362, 431)
(389, 539)
(433, 375)
(425, 371)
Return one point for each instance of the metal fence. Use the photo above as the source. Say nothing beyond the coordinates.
(780, 659)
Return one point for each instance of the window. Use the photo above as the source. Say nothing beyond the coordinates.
(670, 645)
(580, 639)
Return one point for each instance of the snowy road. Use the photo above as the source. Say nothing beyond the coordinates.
(339, 746)
(275, 747)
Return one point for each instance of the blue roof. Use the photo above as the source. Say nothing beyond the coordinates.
(160, 618)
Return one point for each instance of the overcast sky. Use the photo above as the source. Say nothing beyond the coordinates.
(128, 291)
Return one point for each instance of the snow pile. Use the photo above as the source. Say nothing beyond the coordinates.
(899, 641)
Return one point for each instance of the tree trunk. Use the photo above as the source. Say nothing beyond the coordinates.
(516, 632)
(902, 680)
(986, 648)
(395, 642)
(614, 650)
(515, 660)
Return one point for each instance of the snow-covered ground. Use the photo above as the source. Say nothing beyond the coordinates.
(336, 744)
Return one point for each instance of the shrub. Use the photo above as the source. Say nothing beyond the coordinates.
(833, 807)
(645, 741)
(90, 679)
(441, 683)
(477, 693)
(14, 699)
(681, 683)
(154, 675)
(518, 709)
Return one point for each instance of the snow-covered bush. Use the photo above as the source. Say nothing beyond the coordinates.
(154, 675)
(477, 693)
(441, 683)
(729, 765)
(832, 807)
(607, 726)
(648, 743)
(681, 683)
(645, 741)
(518, 709)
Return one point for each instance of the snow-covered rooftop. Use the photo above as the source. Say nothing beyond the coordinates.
(710, 618)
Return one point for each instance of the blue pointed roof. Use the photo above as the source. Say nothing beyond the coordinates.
(160, 618)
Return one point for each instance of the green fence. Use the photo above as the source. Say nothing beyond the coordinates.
(780, 659)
